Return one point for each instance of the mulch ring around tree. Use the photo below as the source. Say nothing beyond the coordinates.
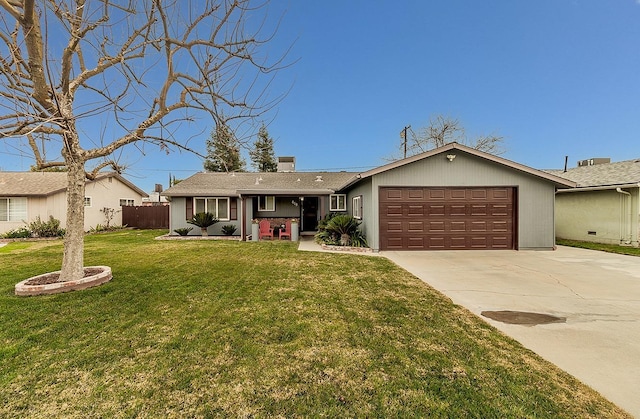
(52, 283)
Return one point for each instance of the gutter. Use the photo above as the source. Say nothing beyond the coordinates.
(600, 188)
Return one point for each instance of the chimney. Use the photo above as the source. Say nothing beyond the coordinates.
(286, 164)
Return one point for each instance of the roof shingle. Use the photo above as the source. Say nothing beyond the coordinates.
(606, 174)
(233, 184)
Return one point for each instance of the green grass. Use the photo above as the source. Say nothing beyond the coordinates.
(611, 248)
(223, 328)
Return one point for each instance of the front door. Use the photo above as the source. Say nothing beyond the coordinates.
(310, 214)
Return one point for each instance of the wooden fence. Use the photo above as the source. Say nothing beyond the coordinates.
(146, 217)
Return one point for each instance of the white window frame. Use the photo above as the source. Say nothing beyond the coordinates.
(340, 203)
(266, 203)
(128, 202)
(89, 201)
(356, 207)
(213, 211)
(13, 214)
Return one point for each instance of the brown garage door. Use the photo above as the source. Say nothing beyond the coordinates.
(447, 218)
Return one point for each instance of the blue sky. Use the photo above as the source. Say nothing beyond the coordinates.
(553, 77)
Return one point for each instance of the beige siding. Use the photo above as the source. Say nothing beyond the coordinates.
(535, 196)
(107, 193)
(104, 193)
(604, 216)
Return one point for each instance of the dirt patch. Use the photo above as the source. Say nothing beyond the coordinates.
(523, 317)
(54, 278)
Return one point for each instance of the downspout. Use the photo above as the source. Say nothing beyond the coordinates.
(242, 218)
(629, 237)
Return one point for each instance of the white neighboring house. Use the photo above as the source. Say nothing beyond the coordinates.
(605, 206)
(26, 195)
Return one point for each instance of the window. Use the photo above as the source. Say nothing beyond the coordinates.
(126, 202)
(13, 209)
(356, 207)
(219, 207)
(266, 203)
(87, 201)
(338, 202)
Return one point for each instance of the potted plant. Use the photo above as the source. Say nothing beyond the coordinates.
(203, 220)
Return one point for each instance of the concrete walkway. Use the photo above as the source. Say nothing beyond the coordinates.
(597, 293)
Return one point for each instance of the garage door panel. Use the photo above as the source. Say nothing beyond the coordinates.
(435, 210)
(394, 227)
(415, 194)
(458, 194)
(457, 226)
(437, 227)
(416, 211)
(415, 227)
(447, 218)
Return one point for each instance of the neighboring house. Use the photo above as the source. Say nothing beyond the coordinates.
(604, 208)
(24, 196)
(453, 197)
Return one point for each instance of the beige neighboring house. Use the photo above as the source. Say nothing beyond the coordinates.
(604, 208)
(26, 195)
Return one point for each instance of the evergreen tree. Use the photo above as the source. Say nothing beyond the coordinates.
(223, 151)
(263, 158)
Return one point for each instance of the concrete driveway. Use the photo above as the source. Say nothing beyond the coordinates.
(598, 294)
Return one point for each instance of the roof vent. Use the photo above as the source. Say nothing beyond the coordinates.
(318, 178)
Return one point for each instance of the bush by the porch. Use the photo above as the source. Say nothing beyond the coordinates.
(341, 230)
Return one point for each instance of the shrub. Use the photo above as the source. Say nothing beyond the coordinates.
(229, 229)
(341, 230)
(183, 231)
(49, 228)
(99, 228)
(18, 233)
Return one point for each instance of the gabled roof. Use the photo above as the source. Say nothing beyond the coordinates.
(47, 183)
(606, 174)
(273, 183)
(452, 147)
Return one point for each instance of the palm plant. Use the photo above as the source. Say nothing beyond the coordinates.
(341, 230)
(203, 220)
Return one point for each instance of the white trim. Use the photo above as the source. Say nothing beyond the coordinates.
(338, 207)
(207, 209)
(264, 199)
(21, 201)
(356, 207)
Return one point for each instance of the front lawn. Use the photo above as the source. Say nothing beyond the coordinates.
(225, 328)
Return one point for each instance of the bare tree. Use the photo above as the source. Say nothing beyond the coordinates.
(82, 79)
(443, 130)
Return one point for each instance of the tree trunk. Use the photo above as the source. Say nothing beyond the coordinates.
(73, 257)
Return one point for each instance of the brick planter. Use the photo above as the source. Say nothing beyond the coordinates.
(22, 289)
